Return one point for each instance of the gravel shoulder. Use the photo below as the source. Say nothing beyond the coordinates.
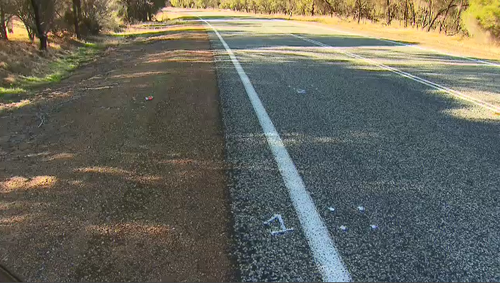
(98, 184)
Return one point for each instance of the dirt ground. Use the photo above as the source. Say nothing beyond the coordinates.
(98, 184)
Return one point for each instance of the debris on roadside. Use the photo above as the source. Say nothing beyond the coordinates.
(343, 228)
(148, 98)
(374, 227)
(331, 209)
(361, 208)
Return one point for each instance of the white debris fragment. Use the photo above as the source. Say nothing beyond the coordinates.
(301, 91)
(331, 209)
(343, 228)
(282, 225)
(374, 227)
(361, 208)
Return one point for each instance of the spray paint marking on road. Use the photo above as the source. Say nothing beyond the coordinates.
(322, 247)
(436, 86)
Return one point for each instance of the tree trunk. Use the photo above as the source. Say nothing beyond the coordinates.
(428, 16)
(459, 13)
(77, 7)
(359, 11)
(406, 13)
(388, 12)
(434, 19)
(40, 32)
(446, 14)
(31, 34)
(424, 20)
(3, 27)
(414, 16)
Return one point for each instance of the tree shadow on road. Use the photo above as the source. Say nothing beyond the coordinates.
(423, 163)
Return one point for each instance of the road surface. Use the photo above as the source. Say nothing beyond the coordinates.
(395, 147)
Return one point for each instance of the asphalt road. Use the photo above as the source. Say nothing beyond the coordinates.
(423, 163)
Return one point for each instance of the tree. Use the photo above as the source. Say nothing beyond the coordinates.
(443, 15)
(388, 12)
(39, 28)
(144, 10)
(77, 16)
(3, 26)
(486, 13)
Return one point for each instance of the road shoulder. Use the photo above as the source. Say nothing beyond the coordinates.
(98, 184)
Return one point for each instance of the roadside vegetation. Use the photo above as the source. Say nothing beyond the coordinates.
(23, 66)
(41, 41)
(450, 17)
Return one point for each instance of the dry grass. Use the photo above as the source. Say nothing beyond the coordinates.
(143, 30)
(23, 66)
(466, 46)
(19, 32)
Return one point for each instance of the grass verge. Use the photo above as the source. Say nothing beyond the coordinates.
(54, 72)
(61, 67)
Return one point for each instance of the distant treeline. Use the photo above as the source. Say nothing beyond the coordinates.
(447, 16)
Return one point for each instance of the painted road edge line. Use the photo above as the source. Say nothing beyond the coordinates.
(404, 44)
(322, 247)
(481, 103)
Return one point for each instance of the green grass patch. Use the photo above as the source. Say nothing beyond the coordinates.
(61, 67)
(56, 70)
(15, 90)
(7, 94)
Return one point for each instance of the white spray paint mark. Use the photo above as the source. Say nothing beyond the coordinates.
(323, 250)
(436, 86)
(282, 225)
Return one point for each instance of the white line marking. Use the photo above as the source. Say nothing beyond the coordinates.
(436, 86)
(326, 255)
(403, 44)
